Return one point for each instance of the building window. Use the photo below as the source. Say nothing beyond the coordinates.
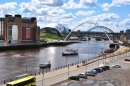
(28, 33)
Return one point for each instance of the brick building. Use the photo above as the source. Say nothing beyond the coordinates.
(20, 30)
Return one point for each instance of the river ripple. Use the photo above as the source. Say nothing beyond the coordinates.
(13, 63)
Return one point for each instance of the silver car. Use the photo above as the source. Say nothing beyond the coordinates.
(82, 75)
(116, 66)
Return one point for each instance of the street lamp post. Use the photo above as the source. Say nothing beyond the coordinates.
(105, 58)
(26, 68)
(68, 71)
(98, 56)
(87, 62)
(43, 78)
(68, 67)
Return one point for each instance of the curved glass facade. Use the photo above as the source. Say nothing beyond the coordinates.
(53, 28)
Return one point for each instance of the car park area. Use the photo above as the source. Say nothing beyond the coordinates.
(117, 74)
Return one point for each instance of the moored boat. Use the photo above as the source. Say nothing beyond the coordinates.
(70, 52)
(45, 65)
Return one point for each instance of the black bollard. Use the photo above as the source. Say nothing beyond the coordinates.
(10, 79)
(4, 81)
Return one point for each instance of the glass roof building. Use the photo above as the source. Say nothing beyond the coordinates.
(56, 29)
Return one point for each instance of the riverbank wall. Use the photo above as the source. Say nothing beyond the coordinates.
(22, 46)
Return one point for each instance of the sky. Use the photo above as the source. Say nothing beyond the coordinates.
(113, 14)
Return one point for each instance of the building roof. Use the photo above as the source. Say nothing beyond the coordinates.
(59, 27)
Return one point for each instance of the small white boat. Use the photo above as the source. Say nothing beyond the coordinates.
(45, 65)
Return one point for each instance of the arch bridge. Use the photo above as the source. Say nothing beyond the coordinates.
(101, 33)
(88, 32)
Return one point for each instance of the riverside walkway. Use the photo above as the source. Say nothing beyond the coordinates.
(53, 77)
(60, 75)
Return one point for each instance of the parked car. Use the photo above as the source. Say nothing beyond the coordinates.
(107, 67)
(116, 66)
(103, 68)
(82, 75)
(126, 59)
(98, 70)
(94, 71)
(90, 73)
(74, 78)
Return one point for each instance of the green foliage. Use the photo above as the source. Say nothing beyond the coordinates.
(52, 36)
(48, 36)
(73, 35)
(42, 34)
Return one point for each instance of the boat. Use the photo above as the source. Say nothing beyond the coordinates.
(70, 52)
(45, 65)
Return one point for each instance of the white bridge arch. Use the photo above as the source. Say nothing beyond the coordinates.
(85, 23)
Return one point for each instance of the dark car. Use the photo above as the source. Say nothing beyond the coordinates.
(98, 70)
(82, 75)
(103, 68)
(127, 60)
(90, 73)
(74, 78)
(107, 67)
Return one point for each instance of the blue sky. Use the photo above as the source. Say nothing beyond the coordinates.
(113, 14)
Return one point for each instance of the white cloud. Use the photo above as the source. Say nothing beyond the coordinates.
(48, 2)
(125, 23)
(27, 8)
(103, 17)
(81, 4)
(47, 19)
(65, 21)
(7, 8)
(83, 13)
(72, 5)
(88, 2)
(56, 11)
(129, 15)
(68, 16)
(42, 11)
(105, 6)
(117, 3)
(49, 14)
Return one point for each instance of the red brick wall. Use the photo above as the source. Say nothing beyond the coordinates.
(32, 34)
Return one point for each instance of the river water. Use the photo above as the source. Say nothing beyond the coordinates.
(17, 62)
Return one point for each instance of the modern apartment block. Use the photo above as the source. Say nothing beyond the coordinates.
(20, 30)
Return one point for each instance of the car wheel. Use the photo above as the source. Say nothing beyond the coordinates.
(78, 79)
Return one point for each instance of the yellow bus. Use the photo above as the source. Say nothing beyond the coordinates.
(23, 80)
